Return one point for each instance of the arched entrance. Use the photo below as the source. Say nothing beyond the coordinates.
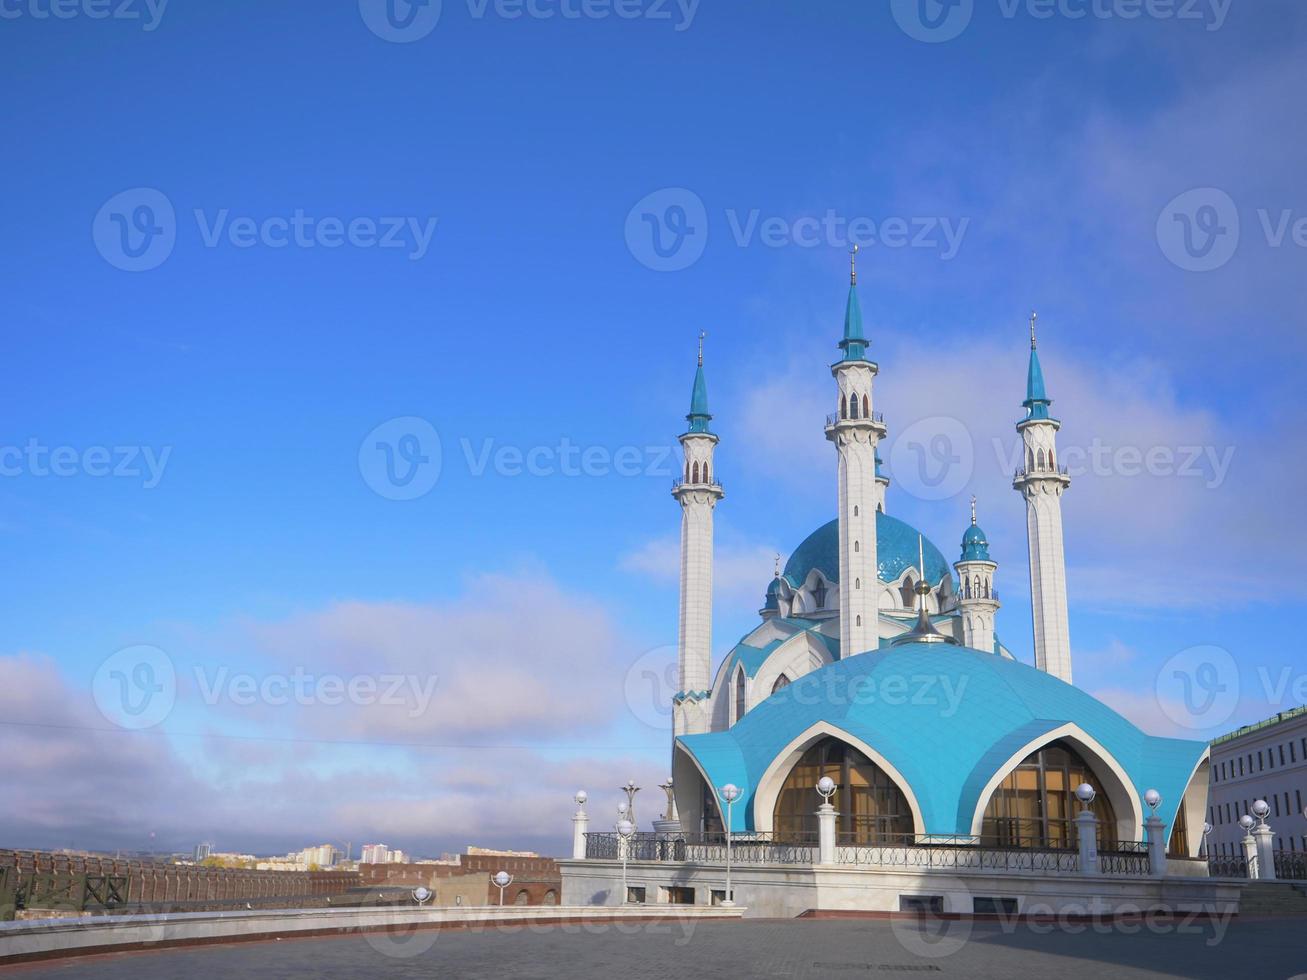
(871, 806)
(1035, 804)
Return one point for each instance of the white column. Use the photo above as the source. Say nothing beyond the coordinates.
(826, 834)
(580, 824)
(1087, 825)
(1250, 855)
(694, 640)
(1263, 837)
(1156, 831)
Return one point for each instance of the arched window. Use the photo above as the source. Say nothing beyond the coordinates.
(853, 407)
(1035, 805)
(819, 594)
(857, 620)
(1039, 459)
(706, 478)
(695, 471)
(857, 583)
(523, 897)
(687, 471)
(978, 587)
(1050, 458)
(986, 586)
(855, 510)
(844, 406)
(551, 898)
(866, 407)
(908, 591)
(871, 807)
(856, 546)
(781, 683)
(966, 588)
(739, 695)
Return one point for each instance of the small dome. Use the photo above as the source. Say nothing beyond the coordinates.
(773, 595)
(975, 546)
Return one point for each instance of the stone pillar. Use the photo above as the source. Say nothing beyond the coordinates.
(1250, 854)
(826, 834)
(1156, 830)
(1265, 854)
(1087, 824)
(580, 824)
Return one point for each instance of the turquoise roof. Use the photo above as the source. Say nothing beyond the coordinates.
(896, 551)
(752, 657)
(948, 739)
(854, 343)
(699, 417)
(1037, 401)
(975, 546)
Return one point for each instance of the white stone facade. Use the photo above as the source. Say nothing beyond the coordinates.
(1041, 482)
(698, 495)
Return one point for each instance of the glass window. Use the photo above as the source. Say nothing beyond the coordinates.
(782, 682)
(1035, 805)
(739, 695)
(871, 807)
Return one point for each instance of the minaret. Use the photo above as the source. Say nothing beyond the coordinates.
(1041, 481)
(856, 429)
(882, 484)
(697, 494)
(977, 598)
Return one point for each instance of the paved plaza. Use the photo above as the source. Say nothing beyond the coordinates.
(1269, 949)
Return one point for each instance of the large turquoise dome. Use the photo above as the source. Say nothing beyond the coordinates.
(896, 551)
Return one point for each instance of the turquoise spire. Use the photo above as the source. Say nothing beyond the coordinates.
(1037, 401)
(699, 416)
(854, 343)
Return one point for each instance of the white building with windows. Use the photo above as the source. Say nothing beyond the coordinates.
(1266, 761)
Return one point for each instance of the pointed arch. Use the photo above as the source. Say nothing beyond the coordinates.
(695, 471)
(773, 778)
(1116, 783)
(844, 406)
(853, 407)
(866, 407)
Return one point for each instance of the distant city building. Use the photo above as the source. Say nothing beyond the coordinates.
(492, 852)
(202, 851)
(381, 854)
(323, 855)
(1266, 761)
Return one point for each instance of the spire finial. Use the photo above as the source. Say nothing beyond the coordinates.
(702, 334)
(777, 573)
(921, 557)
(1034, 317)
(853, 265)
(973, 510)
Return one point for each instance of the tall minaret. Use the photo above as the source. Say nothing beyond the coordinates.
(1041, 482)
(697, 494)
(977, 598)
(856, 429)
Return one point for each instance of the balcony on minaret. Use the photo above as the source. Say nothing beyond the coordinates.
(850, 420)
(1033, 474)
(701, 484)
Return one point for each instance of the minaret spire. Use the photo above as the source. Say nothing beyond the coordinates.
(855, 429)
(697, 494)
(977, 597)
(973, 510)
(1041, 483)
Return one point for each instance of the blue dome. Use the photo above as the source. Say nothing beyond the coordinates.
(975, 546)
(979, 711)
(896, 551)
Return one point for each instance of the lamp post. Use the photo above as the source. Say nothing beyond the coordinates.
(421, 895)
(503, 879)
(1156, 833)
(826, 821)
(729, 794)
(1265, 841)
(1087, 828)
(624, 830)
(630, 789)
(1207, 829)
(1249, 845)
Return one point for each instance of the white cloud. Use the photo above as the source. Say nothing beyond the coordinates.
(740, 571)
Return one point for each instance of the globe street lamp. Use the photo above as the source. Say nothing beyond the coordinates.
(1085, 794)
(1153, 798)
(421, 895)
(729, 794)
(503, 879)
(1207, 829)
(625, 829)
(1260, 809)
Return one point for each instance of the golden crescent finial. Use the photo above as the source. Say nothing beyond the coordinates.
(702, 334)
(853, 265)
(1033, 318)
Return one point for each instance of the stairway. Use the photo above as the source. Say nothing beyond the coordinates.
(1273, 898)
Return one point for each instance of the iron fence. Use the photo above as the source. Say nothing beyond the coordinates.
(1125, 858)
(1231, 866)
(1290, 865)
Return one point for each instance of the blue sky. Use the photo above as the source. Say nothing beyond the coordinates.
(1035, 161)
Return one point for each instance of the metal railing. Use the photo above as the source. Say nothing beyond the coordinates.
(1290, 865)
(1125, 858)
(1232, 866)
(875, 418)
(1033, 471)
(951, 852)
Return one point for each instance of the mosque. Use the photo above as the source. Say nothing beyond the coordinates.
(873, 732)
(877, 663)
